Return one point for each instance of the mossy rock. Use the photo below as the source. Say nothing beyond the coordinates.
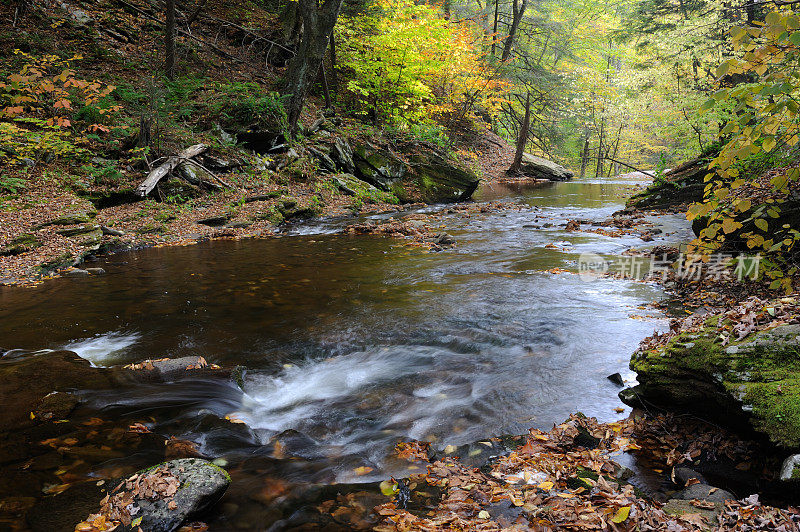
(80, 230)
(21, 244)
(753, 383)
(426, 175)
(61, 261)
(73, 219)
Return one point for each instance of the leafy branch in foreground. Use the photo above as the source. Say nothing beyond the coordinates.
(750, 193)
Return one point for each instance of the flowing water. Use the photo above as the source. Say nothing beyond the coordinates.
(354, 343)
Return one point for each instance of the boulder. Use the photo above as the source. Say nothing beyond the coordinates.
(748, 384)
(419, 174)
(163, 497)
(538, 168)
(704, 492)
(680, 186)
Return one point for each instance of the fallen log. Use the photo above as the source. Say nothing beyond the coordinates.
(152, 179)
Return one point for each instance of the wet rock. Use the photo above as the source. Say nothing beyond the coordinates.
(76, 272)
(96, 271)
(29, 378)
(684, 474)
(201, 485)
(444, 239)
(790, 469)
(21, 244)
(293, 443)
(539, 168)
(704, 492)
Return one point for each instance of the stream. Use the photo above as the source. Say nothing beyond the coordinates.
(354, 343)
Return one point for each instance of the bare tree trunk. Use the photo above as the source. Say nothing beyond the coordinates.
(585, 155)
(318, 22)
(519, 10)
(334, 78)
(169, 41)
(599, 168)
(522, 139)
(494, 28)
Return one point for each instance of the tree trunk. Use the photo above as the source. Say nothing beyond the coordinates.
(585, 155)
(494, 27)
(318, 23)
(599, 169)
(169, 41)
(522, 139)
(519, 10)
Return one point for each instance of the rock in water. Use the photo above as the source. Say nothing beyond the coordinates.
(201, 485)
(166, 495)
(539, 168)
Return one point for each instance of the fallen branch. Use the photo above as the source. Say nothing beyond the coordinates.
(645, 172)
(209, 172)
(147, 186)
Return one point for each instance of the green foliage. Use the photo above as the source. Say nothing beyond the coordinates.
(11, 185)
(741, 198)
(103, 173)
(248, 105)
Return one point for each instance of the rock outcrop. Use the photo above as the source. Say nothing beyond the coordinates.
(752, 383)
(415, 173)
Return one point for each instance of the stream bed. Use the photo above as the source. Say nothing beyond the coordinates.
(352, 344)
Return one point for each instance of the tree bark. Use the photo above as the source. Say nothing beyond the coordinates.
(519, 10)
(318, 22)
(522, 139)
(169, 41)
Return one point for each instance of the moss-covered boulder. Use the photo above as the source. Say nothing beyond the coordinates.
(21, 244)
(751, 382)
(417, 173)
